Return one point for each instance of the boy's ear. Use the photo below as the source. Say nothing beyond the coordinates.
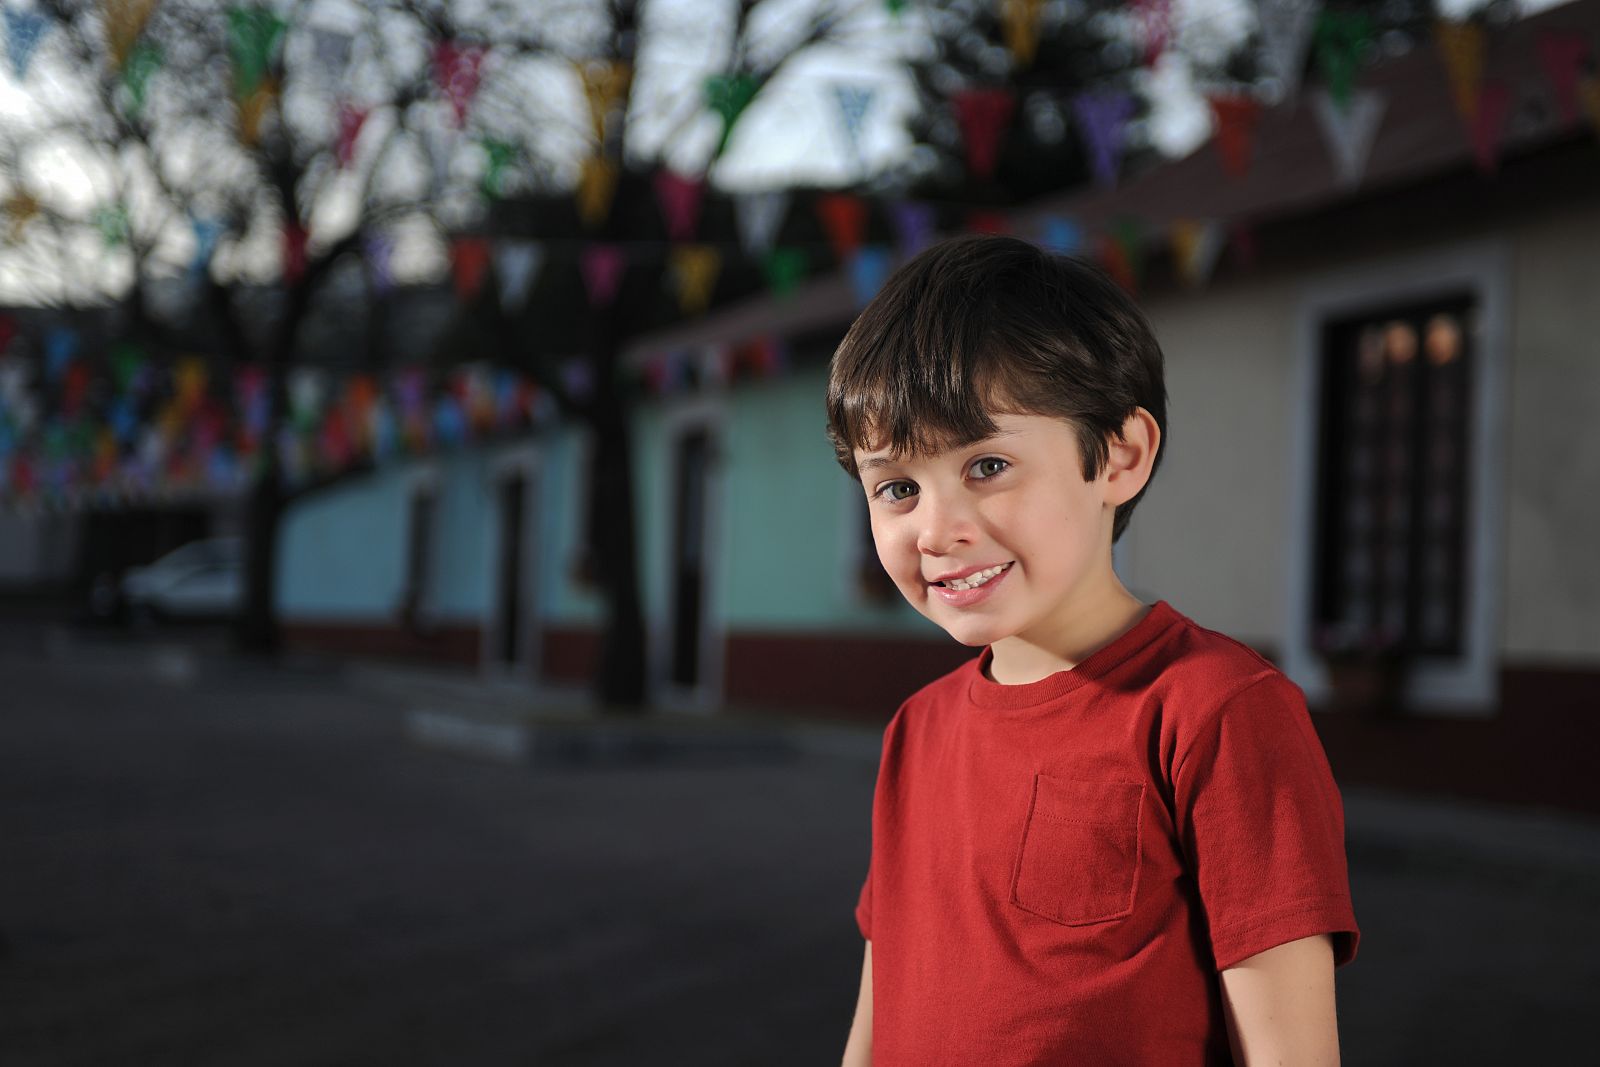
(1132, 458)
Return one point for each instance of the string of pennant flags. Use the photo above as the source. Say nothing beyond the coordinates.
(86, 426)
(78, 426)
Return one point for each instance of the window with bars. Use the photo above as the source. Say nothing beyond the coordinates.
(1392, 515)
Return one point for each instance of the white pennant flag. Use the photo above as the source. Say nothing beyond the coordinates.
(1286, 27)
(760, 216)
(439, 145)
(516, 264)
(332, 51)
(1350, 130)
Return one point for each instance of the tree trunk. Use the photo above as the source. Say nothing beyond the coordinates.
(256, 630)
(621, 682)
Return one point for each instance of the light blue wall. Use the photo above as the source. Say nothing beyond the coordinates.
(563, 468)
(784, 516)
(784, 522)
(342, 550)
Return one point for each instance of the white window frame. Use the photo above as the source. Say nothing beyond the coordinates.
(679, 418)
(1468, 687)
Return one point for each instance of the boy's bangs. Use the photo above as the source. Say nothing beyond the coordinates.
(907, 417)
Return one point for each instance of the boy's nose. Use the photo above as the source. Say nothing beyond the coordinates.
(945, 525)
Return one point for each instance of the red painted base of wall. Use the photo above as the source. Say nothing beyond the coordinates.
(461, 645)
(1536, 750)
(854, 677)
(569, 655)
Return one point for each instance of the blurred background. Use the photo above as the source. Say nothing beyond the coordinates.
(434, 629)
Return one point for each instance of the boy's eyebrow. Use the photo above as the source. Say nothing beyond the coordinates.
(872, 463)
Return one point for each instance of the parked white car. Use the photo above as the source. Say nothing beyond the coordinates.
(202, 579)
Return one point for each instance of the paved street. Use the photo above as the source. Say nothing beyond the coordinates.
(239, 866)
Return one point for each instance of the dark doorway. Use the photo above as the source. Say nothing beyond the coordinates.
(510, 629)
(688, 557)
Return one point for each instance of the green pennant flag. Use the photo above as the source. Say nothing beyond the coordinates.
(143, 61)
(126, 362)
(253, 34)
(784, 268)
(500, 153)
(728, 95)
(1340, 37)
(112, 222)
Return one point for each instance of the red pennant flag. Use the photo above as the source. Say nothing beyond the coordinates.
(294, 253)
(1236, 130)
(602, 268)
(455, 69)
(984, 115)
(1114, 257)
(351, 119)
(1494, 102)
(680, 203)
(845, 218)
(987, 222)
(469, 259)
(1155, 18)
(1562, 52)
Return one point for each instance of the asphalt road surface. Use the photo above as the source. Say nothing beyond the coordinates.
(238, 866)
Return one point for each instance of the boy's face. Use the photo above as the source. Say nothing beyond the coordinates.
(1013, 509)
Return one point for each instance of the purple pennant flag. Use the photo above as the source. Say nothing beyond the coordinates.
(913, 223)
(24, 31)
(602, 267)
(1102, 117)
(409, 387)
(378, 248)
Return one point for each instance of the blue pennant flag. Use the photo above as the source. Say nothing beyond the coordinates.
(24, 31)
(868, 269)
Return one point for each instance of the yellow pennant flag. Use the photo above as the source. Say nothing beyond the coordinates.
(1195, 246)
(1020, 19)
(1589, 94)
(20, 210)
(125, 21)
(605, 84)
(694, 271)
(1462, 45)
(189, 379)
(253, 109)
(597, 185)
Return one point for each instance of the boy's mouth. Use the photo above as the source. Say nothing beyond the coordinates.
(974, 579)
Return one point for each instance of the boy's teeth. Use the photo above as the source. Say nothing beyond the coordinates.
(972, 581)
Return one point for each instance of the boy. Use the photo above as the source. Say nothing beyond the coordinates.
(1113, 837)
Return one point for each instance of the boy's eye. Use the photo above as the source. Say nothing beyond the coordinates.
(897, 490)
(988, 467)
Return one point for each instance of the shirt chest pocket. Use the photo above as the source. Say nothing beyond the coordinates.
(1079, 859)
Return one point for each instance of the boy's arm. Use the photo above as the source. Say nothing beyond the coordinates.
(858, 1049)
(1279, 1006)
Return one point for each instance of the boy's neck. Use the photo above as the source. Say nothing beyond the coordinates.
(1087, 627)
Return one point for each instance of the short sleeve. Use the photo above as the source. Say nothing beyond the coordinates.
(1262, 825)
(864, 907)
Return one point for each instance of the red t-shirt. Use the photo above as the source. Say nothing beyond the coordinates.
(1060, 869)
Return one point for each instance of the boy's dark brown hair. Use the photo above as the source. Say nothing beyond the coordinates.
(982, 325)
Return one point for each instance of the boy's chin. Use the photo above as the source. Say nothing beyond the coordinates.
(973, 633)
